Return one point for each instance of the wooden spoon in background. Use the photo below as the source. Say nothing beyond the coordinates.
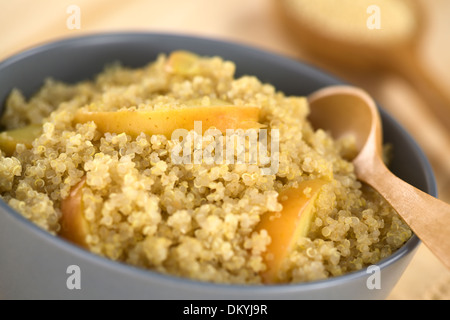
(339, 32)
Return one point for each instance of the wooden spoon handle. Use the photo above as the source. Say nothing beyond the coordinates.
(409, 65)
(427, 216)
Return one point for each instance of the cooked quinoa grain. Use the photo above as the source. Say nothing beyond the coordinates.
(190, 220)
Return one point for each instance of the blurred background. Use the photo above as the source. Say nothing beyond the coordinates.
(393, 68)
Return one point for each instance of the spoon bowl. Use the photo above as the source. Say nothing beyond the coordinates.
(343, 102)
(344, 110)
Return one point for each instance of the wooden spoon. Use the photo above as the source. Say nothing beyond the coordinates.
(347, 110)
(345, 33)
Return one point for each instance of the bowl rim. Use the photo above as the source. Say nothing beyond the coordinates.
(103, 262)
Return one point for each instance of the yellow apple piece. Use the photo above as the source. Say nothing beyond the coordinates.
(25, 135)
(165, 121)
(74, 226)
(184, 63)
(287, 226)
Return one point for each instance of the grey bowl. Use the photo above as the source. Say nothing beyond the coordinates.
(34, 264)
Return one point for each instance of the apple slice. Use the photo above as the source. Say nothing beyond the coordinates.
(287, 226)
(184, 63)
(166, 121)
(25, 135)
(74, 226)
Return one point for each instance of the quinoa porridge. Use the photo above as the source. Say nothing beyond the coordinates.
(93, 162)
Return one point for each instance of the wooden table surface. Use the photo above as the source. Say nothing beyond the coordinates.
(25, 23)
